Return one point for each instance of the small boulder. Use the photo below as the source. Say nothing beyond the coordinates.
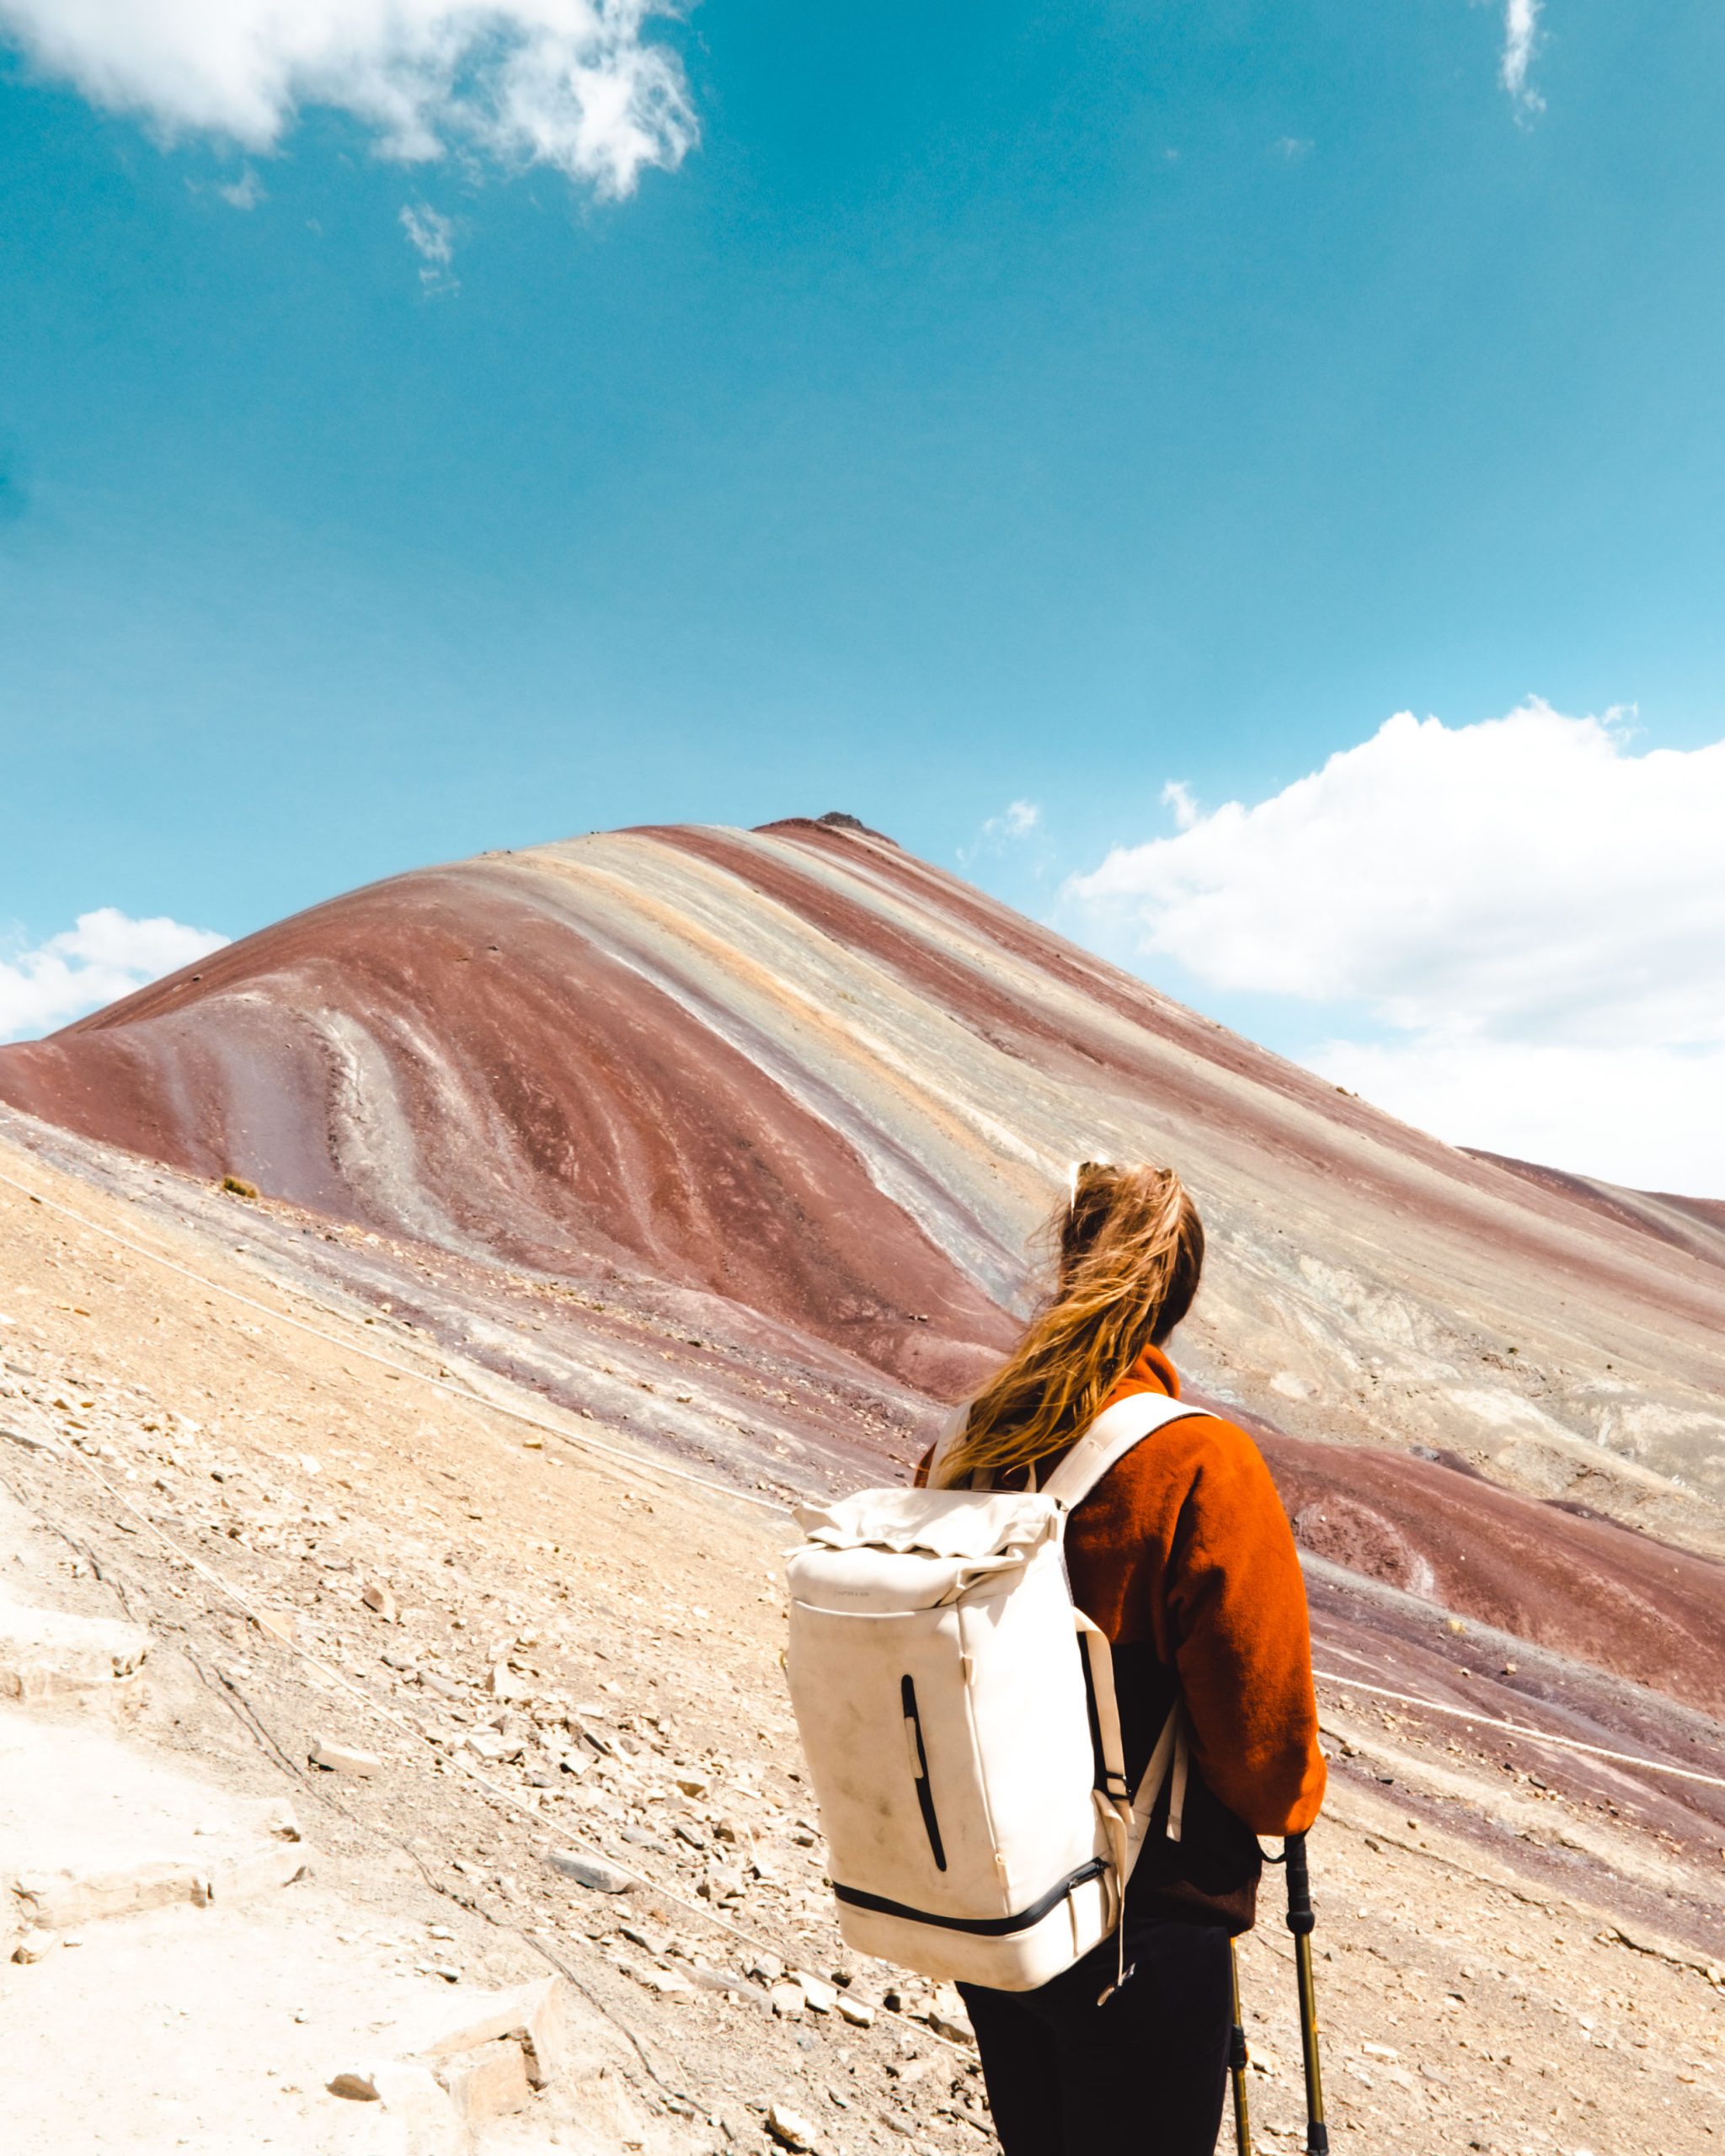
(343, 1758)
(54, 1900)
(821, 1997)
(532, 2015)
(487, 2083)
(259, 1871)
(48, 1654)
(590, 1871)
(789, 2128)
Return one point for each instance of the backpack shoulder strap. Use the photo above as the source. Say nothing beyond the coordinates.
(1107, 1441)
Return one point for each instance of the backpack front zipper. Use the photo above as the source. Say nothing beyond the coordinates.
(919, 1768)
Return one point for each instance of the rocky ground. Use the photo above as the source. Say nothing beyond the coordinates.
(435, 1703)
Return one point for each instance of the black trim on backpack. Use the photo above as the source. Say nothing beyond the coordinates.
(983, 1927)
(925, 1795)
(1110, 1781)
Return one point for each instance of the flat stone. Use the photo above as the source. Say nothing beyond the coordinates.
(378, 1599)
(34, 1437)
(590, 1871)
(487, 2083)
(489, 1744)
(789, 2127)
(856, 2011)
(788, 2001)
(55, 1900)
(47, 1654)
(820, 1996)
(33, 1945)
(258, 1871)
(343, 1758)
(533, 2015)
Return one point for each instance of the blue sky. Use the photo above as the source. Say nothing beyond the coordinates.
(946, 408)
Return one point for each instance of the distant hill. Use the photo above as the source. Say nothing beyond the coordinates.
(817, 1095)
(800, 1070)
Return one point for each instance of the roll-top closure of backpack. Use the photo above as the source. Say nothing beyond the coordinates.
(888, 1550)
(939, 1522)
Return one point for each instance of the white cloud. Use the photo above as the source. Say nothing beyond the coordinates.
(1531, 913)
(1642, 1114)
(106, 956)
(429, 234)
(571, 84)
(1521, 22)
(432, 238)
(245, 193)
(1017, 823)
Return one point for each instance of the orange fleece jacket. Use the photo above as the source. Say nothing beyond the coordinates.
(1185, 1544)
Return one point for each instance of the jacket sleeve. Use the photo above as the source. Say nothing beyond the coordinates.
(1242, 1643)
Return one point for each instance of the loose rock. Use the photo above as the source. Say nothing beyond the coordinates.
(821, 1997)
(45, 1654)
(590, 1871)
(56, 1899)
(789, 2127)
(487, 2083)
(343, 1758)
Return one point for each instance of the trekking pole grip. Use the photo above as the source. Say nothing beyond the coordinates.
(1301, 1921)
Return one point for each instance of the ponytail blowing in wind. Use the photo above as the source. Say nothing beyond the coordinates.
(1129, 1249)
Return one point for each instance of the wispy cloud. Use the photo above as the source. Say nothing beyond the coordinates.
(245, 193)
(1293, 147)
(1018, 823)
(1521, 22)
(106, 956)
(1514, 931)
(575, 84)
(1019, 820)
(432, 237)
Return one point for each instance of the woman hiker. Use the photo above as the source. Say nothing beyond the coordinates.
(1183, 1555)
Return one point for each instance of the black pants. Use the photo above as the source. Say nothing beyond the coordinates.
(1143, 2075)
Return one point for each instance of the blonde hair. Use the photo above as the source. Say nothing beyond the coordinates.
(1129, 1249)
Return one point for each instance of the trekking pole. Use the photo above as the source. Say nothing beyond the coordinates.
(1299, 1923)
(1236, 2065)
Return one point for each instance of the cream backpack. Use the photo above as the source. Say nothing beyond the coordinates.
(957, 1709)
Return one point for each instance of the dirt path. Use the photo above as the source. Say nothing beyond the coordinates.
(550, 1651)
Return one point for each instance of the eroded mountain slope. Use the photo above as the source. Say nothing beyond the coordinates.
(819, 1094)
